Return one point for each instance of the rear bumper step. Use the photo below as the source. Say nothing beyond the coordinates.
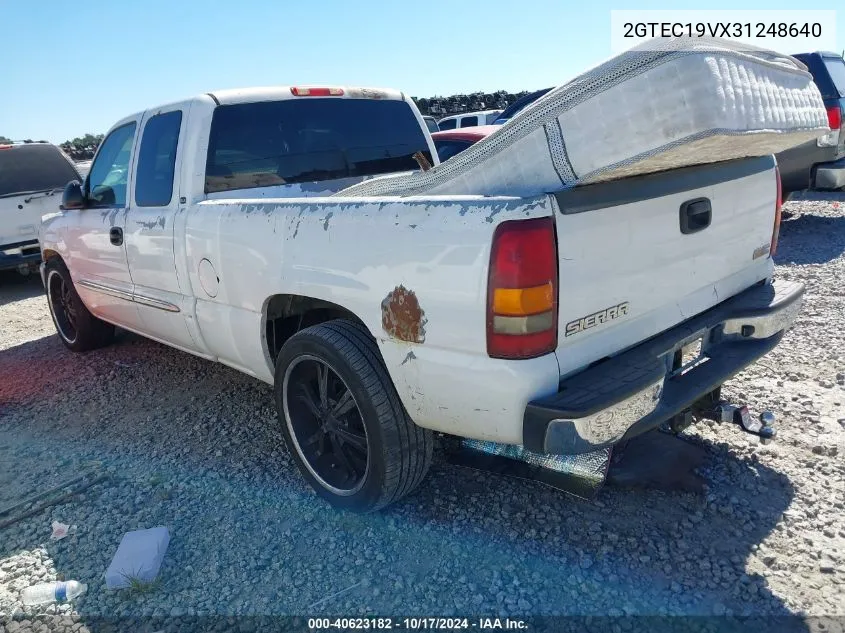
(647, 385)
(25, 254)
(830, 175)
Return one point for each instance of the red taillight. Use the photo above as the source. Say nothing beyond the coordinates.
(522, 290)
(778, 204)
(316, 92)
(834, 117)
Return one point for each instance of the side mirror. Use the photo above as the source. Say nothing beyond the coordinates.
(73, 198)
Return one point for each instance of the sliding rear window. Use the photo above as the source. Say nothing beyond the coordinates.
(32, 168)
(310, 139)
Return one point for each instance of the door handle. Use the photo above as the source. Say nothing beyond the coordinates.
(116, 235)
(695, 215)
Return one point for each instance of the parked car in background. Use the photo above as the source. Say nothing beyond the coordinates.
(30, 176)
(451, 142)
(83, 166)
(518, 105)
(820, 164)
(431, 123)
(470, 119)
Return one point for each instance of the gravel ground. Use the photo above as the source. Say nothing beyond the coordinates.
(196, 447)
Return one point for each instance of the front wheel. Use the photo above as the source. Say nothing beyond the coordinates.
(78, 329)
(342, 419)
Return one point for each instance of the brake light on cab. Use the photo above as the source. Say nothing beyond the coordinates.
(316, 92)
(522, 290)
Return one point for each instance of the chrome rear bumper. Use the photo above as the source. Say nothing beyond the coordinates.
(645, 386)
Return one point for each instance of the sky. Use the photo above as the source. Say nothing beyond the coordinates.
(65, 72)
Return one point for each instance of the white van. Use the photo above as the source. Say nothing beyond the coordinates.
(31, 176)
(470, 119)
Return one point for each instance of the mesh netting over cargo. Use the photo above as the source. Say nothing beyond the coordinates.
(659, 106)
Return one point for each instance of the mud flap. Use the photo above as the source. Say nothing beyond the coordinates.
(581, 476)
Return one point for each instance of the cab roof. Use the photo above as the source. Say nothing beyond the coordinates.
(277, 93)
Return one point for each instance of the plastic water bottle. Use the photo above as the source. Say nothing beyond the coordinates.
(47, 592)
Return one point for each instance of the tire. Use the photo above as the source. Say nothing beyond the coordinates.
(78, 329)
(368, 453)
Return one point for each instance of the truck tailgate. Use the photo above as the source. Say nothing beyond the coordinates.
(640, 255)
(19, 219)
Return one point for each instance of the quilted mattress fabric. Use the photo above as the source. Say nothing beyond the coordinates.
(656, 107)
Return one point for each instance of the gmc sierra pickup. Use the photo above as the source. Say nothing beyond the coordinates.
(564, 322)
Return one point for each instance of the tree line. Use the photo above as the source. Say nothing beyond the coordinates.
(80, 148)
(457, 104)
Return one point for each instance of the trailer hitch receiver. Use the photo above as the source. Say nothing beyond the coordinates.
(762, 427)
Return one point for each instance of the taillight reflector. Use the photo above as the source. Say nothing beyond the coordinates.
(522, 290)
(834, 117)
(316, 92)
(778, 205)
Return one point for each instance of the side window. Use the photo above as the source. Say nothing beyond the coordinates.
(157, 160)
(109, 174)
(448, 124)
(469, 121)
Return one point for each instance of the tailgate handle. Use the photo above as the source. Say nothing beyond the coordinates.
(695, 215)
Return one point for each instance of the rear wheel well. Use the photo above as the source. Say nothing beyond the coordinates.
(285, 315)
(47, 254)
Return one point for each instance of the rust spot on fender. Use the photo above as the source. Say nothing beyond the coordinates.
(402, 317)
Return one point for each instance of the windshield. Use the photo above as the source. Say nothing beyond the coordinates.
(31, 168)
(520, 104)
(307, 140)
(447, 149)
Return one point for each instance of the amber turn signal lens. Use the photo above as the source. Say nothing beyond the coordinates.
(523, 301)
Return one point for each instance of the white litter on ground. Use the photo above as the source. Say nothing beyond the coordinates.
(138, 557)
(60, 530)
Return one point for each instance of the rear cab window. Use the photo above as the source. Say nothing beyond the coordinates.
(469, 121)
(290, 141)
(448, 124)
(33, 168)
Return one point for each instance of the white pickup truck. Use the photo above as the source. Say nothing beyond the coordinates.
(31, 174)
(563, 323)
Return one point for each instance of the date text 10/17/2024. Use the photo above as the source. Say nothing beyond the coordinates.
(417, 624)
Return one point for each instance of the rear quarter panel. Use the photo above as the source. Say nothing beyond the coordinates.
(413, 270)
